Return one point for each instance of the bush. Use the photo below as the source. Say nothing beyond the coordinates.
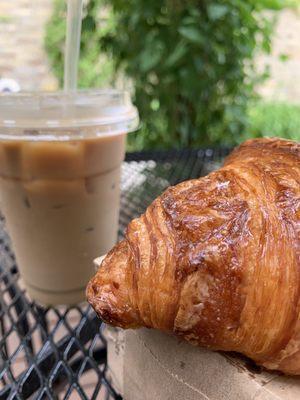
(191, 62)
(274, 119)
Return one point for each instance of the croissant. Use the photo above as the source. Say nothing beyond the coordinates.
(216, 260)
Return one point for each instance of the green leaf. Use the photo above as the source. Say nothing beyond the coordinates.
(284, 57)
(189, 20)
(191, 33)
(150, 57)
(216, 11)
(194, 11)
(154, 104)
(273, 4)
(177, 54)
(88, 23)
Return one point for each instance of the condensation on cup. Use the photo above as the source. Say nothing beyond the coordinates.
(60, 159)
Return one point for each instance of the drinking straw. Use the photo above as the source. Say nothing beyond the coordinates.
(74, 18)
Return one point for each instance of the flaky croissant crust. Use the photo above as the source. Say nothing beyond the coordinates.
(216, 260)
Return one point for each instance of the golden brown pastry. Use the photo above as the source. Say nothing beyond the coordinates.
(216, 260)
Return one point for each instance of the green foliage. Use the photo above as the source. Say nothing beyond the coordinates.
(191, 62)
(274, 119)
(5, 19)
(95, 69)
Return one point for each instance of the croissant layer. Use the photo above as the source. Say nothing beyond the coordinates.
(216, 260)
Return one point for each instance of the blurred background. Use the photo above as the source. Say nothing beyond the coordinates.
(201, 72)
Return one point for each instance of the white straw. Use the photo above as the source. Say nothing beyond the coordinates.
(72, 44)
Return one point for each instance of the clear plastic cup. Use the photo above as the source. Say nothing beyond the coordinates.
(60, 159)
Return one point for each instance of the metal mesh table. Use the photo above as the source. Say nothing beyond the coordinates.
(60, 353)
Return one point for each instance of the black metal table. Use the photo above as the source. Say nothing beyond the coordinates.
(48, 353)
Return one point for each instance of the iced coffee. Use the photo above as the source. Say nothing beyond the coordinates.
(59, 188)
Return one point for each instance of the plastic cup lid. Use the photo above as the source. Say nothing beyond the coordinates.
(53, 115)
